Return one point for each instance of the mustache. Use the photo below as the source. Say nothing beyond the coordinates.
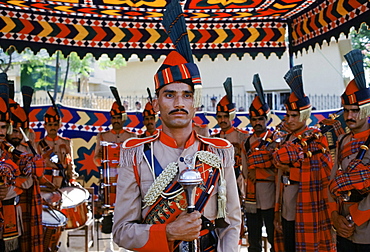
(257, 125)
(350, 120)
(178, 110)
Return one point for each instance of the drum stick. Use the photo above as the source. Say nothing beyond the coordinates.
(64, 194)
(27, 140)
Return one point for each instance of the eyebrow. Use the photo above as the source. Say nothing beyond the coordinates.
(174, 91)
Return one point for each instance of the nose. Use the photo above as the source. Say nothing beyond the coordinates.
(351, 115)
(289, 119)
(179, 101)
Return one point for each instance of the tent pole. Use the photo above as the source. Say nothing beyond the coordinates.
(290, 39)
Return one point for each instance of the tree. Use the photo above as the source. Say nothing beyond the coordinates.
(361, 40)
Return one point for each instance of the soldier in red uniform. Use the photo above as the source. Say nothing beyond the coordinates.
(57, 152)
(150, 214)
(116, 135)
(225, 115)
(301, 210)
(150, 119)
(15, 177)
(259, 174)
(30, 199)
(349, 187)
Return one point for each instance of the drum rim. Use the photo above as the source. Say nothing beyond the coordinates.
(54, 225)
(87, 195)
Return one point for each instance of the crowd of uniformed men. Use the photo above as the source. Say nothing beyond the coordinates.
(284, 179)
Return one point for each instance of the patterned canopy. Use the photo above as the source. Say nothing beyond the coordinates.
(215, 26)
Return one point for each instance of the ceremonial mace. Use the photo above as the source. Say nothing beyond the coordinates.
(189, 179)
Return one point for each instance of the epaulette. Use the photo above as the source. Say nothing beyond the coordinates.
(65, 138)
(242, 131)
(216, 142)
(135, 142)
(200, 125)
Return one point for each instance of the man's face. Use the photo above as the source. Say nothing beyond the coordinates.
(175, 102)
(52, 128)
(117, 122)
(351, 114)
(292, 121)
(259, 124)
(3, 129)
(16, 137)
(223, 120)
(149, 122)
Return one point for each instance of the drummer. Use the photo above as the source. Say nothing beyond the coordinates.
(15, 177)
(29, 199)
(116, 135)
(57, 152)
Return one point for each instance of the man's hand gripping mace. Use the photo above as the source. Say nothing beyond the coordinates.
(189, 179)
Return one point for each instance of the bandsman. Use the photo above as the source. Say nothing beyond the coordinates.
(154, 216)
(349, 187)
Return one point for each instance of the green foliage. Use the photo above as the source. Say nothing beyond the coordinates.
(38, 70)
(361, 40)
(117, 62)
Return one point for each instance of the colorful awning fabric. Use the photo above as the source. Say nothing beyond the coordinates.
(215, 26)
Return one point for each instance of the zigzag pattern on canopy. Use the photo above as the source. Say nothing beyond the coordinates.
(216, 27)
(327, 20)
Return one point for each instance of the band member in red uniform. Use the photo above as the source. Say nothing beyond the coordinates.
(150, 214)
(259, 174)
(349, 187)
(150, 118)
(15, 177)
(225, 115)
(57, 151)
(116, 135)
(30, 199)
(301, 211)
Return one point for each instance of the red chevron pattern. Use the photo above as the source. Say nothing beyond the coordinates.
(215, 27)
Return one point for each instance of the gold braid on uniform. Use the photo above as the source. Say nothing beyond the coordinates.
(160, 184)
(209, 158)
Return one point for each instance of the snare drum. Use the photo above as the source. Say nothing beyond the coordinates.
(74, 206)
(53, 222)
(51, 198)
(111, 174)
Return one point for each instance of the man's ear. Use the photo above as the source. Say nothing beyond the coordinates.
(155, 105)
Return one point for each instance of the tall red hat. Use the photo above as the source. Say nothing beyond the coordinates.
(297, 100)
(117, 109)
(357, 92)
(179, 65)
(18, 115)
(259, 107)
(52, 115)
(226, 103)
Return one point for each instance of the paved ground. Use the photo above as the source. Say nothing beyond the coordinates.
(77, 243)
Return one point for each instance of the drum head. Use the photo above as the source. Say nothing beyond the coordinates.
(52, 198)
(73, 196)
(52, 217)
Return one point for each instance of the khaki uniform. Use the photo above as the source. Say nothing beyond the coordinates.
(62, 147)
(128, 231)
(237, 137)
